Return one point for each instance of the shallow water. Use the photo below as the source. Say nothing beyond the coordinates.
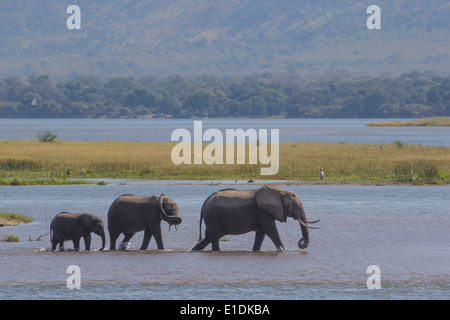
(402, 229)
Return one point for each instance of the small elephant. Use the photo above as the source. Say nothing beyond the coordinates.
(129, 214)
(233, 211)
(72, 226)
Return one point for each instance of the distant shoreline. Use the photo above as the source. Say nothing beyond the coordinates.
(425, 122)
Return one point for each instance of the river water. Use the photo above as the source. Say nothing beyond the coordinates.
(404, 230)
(291, 130)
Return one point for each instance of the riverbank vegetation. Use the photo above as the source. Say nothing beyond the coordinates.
(15, 217)
(30, 160)
(44, 181)
(410, 95)
(9, 238)
(11, 219)
(433, 122)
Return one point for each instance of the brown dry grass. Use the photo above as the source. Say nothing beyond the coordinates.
(152, 160)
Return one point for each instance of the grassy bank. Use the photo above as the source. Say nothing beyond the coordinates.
(42, 181)
(29, 159)
(11, 219)
(15, 217)
(436, 121)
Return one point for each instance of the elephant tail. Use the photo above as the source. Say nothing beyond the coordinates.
(200, 227)
(200, 224)
(201, 218)
(201, 215)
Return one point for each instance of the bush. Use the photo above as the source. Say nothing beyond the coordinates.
(9, 238)
(46, 136)
(399, 144)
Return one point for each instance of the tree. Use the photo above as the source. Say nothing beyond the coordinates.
(200, 103)
(46, 136)
(118, 88)
(372, 101)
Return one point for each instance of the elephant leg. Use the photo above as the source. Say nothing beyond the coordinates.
(76, 243)
(147, 238)
(87, 241)
(158, 238)
(215, 245)
(259, 237)
(202, 244)
(61, 244)
(112, 239)
(126, 240)
(58, 238)
(215, 239)
(55, 242)
(214, 233)
(270, 228)
(128, 236)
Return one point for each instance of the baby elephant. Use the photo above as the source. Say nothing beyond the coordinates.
(67, 226)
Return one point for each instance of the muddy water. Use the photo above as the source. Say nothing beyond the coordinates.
(402, 229)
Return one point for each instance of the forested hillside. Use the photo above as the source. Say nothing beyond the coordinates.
(139, 38)
(265, 95)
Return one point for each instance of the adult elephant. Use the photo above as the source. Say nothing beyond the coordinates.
(232, 211)
(129, 214)
(67, 226)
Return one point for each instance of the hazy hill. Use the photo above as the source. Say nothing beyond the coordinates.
(191, 37)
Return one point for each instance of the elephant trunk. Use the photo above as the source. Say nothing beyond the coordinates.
(301, 218)
(102, 235)
(304, 241)
(172, 220)
(304, 226)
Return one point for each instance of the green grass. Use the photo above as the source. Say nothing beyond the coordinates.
(43, 181)
(7, 218)
(15, 217)
(422, 172)
(9, 238)
(435, 121)
(32, 162)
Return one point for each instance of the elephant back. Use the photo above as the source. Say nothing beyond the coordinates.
(229, 198)
(130, 203)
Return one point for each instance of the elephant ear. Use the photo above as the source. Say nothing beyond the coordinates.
(85, 221)
(171, 219)
(269, 200)
(162, 199)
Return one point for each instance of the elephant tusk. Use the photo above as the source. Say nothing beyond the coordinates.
(313, 221)
(305, 225)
